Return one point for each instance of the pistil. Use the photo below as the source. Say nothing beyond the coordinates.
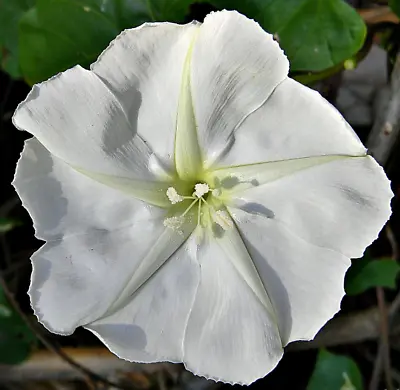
(220, 217)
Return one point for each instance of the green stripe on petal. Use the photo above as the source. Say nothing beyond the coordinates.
(188, 160)
(152, 192)
(233, 246)
(162, 250)
(232, 180)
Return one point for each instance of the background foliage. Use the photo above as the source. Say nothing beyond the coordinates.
(42, 38)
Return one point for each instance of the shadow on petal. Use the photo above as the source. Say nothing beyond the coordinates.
(40, 191)
(275, 290)
(217, 230)
(355, 196)
(113, 141)
(257, 209)
(229, 182)
(122, 335)
(41, 274)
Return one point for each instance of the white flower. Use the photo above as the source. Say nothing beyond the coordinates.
(198, 205)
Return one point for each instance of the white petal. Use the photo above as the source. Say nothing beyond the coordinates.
(76, 117)
(294, 122)
(235, 67)
(341, 205)
(151, 327)
(304, 281)
(103, 244)
(232, 335)
(143, 67)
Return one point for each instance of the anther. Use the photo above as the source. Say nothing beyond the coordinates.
(173, 195)
(173, 223)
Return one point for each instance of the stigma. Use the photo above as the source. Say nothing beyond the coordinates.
(201, 189)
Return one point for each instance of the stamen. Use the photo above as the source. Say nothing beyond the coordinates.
(173, 195)
(188, 209)
(222, 218)
(201, 189)
(175, 223)
(199, 212)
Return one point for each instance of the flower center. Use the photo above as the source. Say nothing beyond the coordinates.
(203, 202)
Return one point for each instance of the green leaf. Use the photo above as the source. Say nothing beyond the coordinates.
(10, 14)
(16, 339)
(335, 372)
(11, 11)
(395, 6)
(127, 13)
(58, 34)
(10, 65)
(366, 273)
(315, 34)
(168, 10)
(130, 13)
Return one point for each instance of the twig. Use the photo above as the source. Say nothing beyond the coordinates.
(383, 355)
(392, 241)
(394, 306)
(15, 266)
(395, 256)
(350, 329)
(42, 366)
(86, 373)
(385, 130)
(396, 376)
(346, 329)
(5, 209)
(378, 15)
(5, 249)
(161, 381)
(381, 142)
(371, 358)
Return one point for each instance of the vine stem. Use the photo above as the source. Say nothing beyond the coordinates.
(91, 377)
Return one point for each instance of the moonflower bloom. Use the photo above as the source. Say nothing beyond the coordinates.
(199, 206)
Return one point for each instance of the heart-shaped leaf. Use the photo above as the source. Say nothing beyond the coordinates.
(58, 34)
(10, 14)
(366, 273)
(335, 372)
(315, 34)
